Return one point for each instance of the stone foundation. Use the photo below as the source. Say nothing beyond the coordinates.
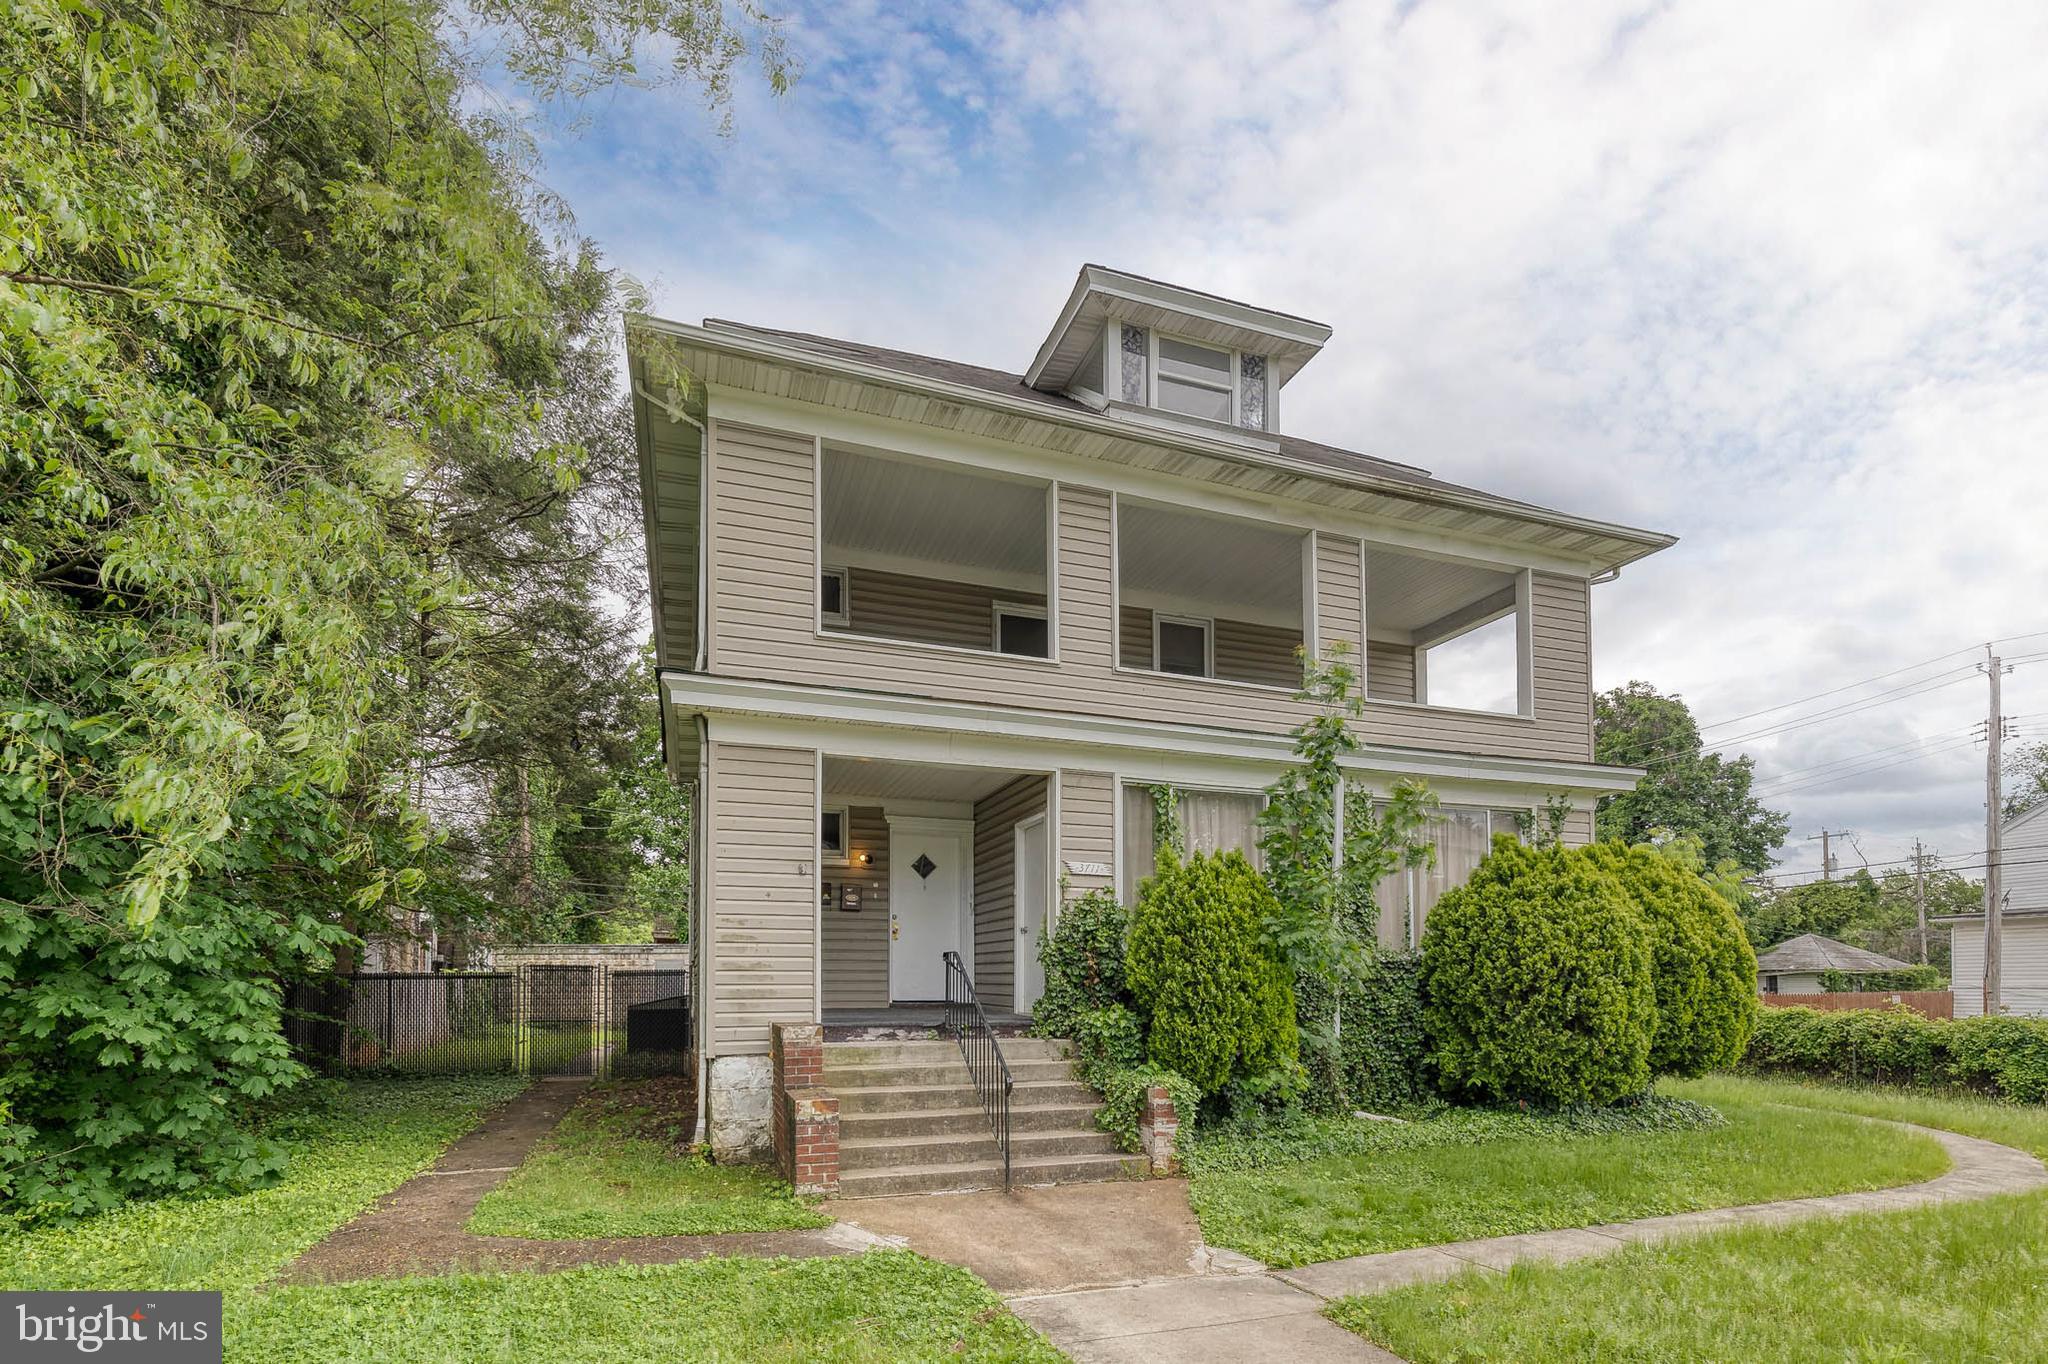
(736, 1108)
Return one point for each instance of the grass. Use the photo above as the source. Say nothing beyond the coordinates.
(616, 1166)
(1363, 1202)
(1957, 1282)
(351, 1143)
(882, 1306)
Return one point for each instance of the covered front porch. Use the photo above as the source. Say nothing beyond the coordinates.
(919, 860)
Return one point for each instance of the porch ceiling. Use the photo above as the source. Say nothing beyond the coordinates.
(881, 779)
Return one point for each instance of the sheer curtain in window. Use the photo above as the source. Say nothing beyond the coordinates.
(1222, 821)
(1136, 860)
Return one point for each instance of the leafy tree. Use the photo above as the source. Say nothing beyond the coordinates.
(1864, 911)
(1537, 981)
(2026, 778)
(1687, 791)
(1325, 918)
(271, 304)
(1217, 1006)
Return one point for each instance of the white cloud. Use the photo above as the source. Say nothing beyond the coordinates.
(1772, 277)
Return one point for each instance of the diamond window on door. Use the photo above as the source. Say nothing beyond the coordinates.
(924, 866)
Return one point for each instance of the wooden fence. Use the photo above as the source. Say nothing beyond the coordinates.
(1932, 1003)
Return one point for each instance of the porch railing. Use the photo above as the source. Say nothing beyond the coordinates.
(968, 1022)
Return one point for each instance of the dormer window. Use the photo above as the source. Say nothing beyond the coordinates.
(1196, 380)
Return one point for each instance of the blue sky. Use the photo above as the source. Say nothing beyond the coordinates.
(1772, 277)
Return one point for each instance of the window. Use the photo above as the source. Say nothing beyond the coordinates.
(1196, 380)
(1022, 629)
(1183, 644)
(1461, 837)
(833, 597)
(1210, 821)
(832, 835)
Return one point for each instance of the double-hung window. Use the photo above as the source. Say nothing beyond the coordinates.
(1022, 629)
(1196, 380)
(1184, 645)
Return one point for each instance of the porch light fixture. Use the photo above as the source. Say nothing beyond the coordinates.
(865, 859)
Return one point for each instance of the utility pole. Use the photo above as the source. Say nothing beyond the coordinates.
(1827, 858)
(1920, 897)
(1994, 903)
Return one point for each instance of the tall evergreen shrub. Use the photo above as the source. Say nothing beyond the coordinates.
(1217, 1005)
(1083, 959)
(1537, 981)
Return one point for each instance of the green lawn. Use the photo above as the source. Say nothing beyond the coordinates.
(1360, 1203)
(616, 1167)
(351, 1143)
(882, 1306)
(1944, 1283)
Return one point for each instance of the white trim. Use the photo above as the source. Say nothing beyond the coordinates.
(1059, 866)
(845, 859)
(1116, 580)
(844, 615)
(1023, 611)
(932, 730)
(706, 542)
(1207, 625)
(1525, 643)
(1311, 608)
(1032, 462)
(1052, 570)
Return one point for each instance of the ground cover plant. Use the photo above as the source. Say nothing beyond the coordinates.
(1954, 1282)
(346, 1144)
(1465, 1174)
(620, 1164)
(881, 1306)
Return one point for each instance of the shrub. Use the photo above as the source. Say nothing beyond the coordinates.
(1217, 1005)
(1536, 981)
(1123, 1100)
(1107, 1039)
(1702, 966)
(1382, 1041)
(1084, 963)
(2007, 1057)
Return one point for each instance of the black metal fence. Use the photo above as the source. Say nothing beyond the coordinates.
(538, 1020)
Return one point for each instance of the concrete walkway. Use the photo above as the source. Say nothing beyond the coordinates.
(1277, 1315)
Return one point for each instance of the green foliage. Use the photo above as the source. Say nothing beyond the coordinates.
(1703, 967)
(1218, 1007)
(1688, 791)
(1083, 959)
(1911, 978)
(310, 473)
(1878, 914)
(1124, 1097)
(2004, 1056)
(2026, 777)
(1538, 982)
(1107, 1039)
(1384, 1045)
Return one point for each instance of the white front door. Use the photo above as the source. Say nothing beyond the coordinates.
(929, 883)
(1032, 856)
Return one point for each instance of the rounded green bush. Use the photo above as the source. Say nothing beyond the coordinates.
(1218, 1007)
(1083, 958)
(1536, 981)
(1700, 959)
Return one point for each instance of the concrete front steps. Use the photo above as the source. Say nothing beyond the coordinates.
(910, 1122)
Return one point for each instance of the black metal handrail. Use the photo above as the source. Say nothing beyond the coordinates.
(968, 1022)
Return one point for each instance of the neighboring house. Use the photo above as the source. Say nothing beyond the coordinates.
(928, 635)
(1795, 966)
(2022, 926)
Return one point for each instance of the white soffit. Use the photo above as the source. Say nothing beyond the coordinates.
(882, 779)
(1219, 560)
(1100, 294)
(916, 510)
(1405, 592)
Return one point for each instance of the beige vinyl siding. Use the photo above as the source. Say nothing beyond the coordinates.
(673, 519)
(932, 610)
(856, 946)
(1389, 672)
(763, 625)
(764, 914)
(1340, 594)
(1578, 827)
(995, 880)
(1087, 829)
(1245, 651)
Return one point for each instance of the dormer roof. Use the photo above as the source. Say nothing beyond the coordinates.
(1101, 294)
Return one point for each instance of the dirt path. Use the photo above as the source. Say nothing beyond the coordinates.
(417, 1228)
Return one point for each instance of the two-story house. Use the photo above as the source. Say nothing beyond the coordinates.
(930, 634)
